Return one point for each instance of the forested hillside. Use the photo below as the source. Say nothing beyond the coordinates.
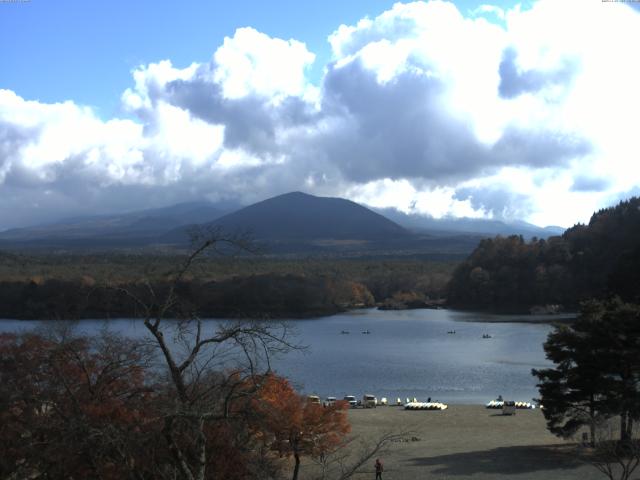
(594, 260)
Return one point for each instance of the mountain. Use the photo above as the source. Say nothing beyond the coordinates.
(298, 219)
(293, 223)
(481, 226)
(137, 227)
(299, 216)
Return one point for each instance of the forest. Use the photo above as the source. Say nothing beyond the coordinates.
(596, 260)
(62, 286)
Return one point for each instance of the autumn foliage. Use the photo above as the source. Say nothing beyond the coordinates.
(297, 426)
(71, 407)
(75, 407)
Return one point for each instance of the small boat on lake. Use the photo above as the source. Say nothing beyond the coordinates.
(366, 332)
(345, 332)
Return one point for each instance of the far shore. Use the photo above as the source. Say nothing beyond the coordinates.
(466, 441)
(483, 316)
(486, 317)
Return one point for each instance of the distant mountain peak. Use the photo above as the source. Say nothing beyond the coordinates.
(296, 193)
(301, 216)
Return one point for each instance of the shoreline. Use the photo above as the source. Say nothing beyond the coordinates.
(483, 316)
(563, 318)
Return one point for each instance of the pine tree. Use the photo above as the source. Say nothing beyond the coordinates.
(597, 370)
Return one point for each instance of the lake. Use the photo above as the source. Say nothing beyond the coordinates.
(407, 354)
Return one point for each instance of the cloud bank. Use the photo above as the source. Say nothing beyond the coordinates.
(420, 108)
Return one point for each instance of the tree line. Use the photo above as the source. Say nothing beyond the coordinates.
(597, 260)
(74, 287)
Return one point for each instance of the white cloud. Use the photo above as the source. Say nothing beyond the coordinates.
(254, 63)
(150, 80)
(180, 135)
(421, 108)
(437, 202)
(579, 85)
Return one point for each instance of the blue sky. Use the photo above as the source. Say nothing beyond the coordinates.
(487, 109)
(84, 51)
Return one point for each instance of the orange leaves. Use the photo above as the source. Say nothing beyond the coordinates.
(78, 407)
(296, 425)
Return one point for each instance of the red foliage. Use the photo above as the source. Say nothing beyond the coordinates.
(296, 426)
(85, 408)
(71, 407)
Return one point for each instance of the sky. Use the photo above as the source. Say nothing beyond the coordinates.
(506, 110)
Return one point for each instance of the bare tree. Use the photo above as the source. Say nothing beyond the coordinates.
(209, 364)
(617, 459)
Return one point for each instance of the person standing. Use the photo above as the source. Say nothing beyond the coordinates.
(379, 469)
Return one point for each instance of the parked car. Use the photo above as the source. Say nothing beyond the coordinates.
(369, 401)
(330, 401)
(353, 403)
(314, 399)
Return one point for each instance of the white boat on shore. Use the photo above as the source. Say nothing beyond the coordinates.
(426, 406)
(498, 404)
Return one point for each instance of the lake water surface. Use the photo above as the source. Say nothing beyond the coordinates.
(407, 354)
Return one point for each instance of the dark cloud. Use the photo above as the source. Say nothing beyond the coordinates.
(401, 129)
(514, 82)
(248, 124)
(538, 148)
(251, 122)
(502, 203)
(590, 184)
(395, 130)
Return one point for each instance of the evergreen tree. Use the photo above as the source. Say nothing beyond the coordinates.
(597, 370)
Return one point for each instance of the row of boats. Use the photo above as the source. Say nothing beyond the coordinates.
(425, 406)
(367, 332)
(453, 332)
(498, 404)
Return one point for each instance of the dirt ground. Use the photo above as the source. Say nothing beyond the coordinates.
(468, 442)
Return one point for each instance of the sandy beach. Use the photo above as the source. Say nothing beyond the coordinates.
(469, 442)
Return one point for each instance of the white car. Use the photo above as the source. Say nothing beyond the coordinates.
(330, 401)
(353, 403)
(369, 401)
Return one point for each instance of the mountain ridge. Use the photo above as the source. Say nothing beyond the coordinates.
(140, 223)
(293, 222)
(448, 225)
